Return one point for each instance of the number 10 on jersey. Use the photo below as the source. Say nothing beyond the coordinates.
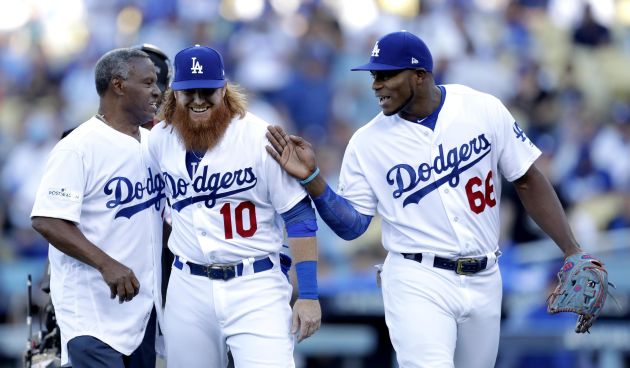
(239, 213)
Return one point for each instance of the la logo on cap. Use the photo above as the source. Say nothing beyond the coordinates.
(375, 50)
(196, 67)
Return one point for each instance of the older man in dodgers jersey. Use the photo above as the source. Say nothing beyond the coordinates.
(430, 165)
(99, 206)
(226, 289)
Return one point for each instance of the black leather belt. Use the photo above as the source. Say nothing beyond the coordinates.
(223, 271)
(461, 266)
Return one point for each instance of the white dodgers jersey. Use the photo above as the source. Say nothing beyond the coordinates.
(226, 206)
(436, 183)
(105, 182)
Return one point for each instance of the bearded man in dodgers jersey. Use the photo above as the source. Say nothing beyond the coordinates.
(228, 199)
(430, 165)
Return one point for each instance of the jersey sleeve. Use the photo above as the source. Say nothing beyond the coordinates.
(353, 184)
(516, 152)
(284, 190)
(60, 193)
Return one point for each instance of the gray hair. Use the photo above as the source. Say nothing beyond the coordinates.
(114, 63)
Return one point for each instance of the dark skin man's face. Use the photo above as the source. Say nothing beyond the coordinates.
(394, 89)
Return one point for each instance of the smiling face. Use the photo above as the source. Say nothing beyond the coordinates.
(141, 91)
(199, 103)
(394, 89)
(201, 117)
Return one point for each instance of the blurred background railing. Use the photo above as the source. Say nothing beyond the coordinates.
(560, 66)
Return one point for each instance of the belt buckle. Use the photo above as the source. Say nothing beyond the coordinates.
(462, 263)
(221, 270)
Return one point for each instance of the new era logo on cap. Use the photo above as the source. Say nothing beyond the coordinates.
(198, 67)
(399, 50)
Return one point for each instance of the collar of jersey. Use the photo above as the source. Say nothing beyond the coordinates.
(430, 120)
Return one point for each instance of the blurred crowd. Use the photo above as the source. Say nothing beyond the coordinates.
(561, 68)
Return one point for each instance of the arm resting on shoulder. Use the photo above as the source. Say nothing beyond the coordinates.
(542, 204)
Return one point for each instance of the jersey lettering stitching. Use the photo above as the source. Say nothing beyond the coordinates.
(405, 178)
(125, 192)
(210, 184)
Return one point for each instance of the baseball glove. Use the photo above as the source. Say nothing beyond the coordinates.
(582, 289)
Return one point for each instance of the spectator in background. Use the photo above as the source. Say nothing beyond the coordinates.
(622, 219)
(612, 144)
(308, 95)
(20, 177)
(582, 179)
(590, 33)
(260, 56)
(585, 180)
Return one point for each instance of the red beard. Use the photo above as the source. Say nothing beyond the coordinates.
(201, 136)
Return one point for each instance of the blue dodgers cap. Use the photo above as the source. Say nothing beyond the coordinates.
(198, 67)
(399, 50)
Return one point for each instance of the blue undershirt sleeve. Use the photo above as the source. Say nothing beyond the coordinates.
(300, 220)
(340, 216)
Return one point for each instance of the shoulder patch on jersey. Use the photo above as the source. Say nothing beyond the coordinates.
(520, 133)
(64, 194)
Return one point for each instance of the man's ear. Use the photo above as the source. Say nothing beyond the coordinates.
(117, 85)
(421, 74)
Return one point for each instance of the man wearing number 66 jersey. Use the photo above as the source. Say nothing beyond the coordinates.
(430, 164)
(229, 199)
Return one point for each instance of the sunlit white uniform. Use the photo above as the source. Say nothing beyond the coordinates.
(105, 182)
(225, 209)
(438, 192)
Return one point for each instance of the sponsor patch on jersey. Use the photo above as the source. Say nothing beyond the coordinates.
(64, 194)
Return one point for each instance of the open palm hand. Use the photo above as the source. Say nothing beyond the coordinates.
(293, 153)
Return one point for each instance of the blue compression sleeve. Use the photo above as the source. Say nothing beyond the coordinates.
(307, 279)
(300, 220)
(340, 216)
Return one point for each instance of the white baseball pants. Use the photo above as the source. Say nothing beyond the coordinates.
(249, 315)
(439, 319)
